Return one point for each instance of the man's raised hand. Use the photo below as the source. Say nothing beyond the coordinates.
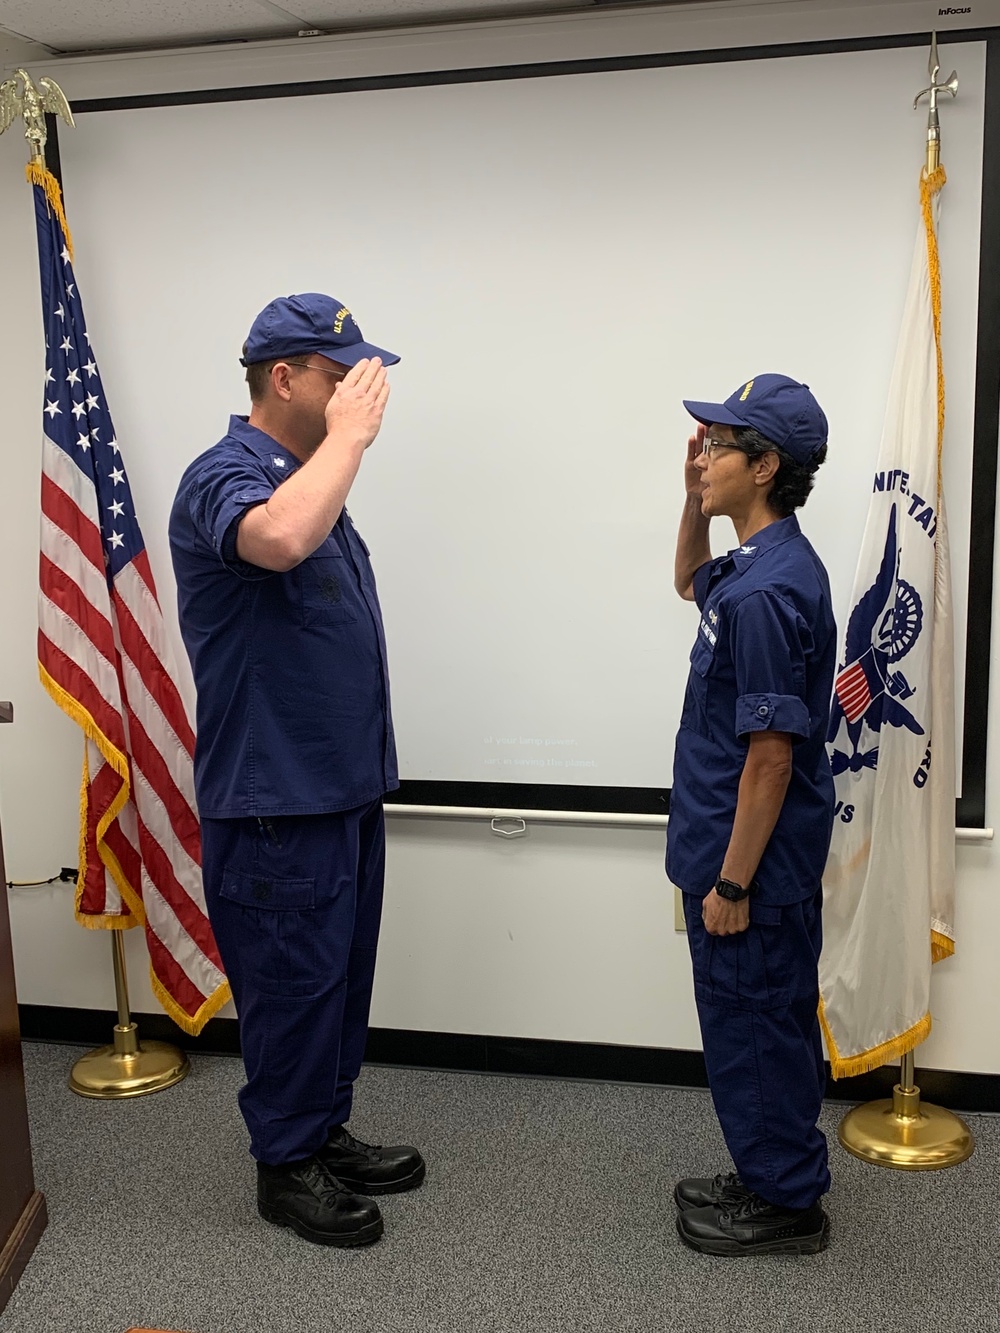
(355, 409)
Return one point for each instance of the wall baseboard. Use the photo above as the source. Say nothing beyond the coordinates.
(469, 1053)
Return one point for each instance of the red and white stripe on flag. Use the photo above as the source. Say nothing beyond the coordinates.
(853, 692)
(104, 658)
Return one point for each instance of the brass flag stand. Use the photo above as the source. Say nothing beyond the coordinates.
(905, 1133)
(902, 1131)
(126, 1068)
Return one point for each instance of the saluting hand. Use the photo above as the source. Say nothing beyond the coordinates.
(694, 478)
(355, 409)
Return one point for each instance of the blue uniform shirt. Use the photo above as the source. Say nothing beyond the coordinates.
(763, 659)
(293, 686)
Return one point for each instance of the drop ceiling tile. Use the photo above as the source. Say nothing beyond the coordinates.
(83, 25)
(16, 51)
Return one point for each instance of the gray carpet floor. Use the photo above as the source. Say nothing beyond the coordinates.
(547, 1207)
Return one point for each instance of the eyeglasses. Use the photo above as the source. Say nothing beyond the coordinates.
(710, 445)
(306, 365)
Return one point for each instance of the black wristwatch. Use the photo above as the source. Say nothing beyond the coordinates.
(729, 889)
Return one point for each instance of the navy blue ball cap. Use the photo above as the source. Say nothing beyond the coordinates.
(782, 409)
(310, 322)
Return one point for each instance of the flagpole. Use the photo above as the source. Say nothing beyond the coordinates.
(902, 1132)
(125, 1068)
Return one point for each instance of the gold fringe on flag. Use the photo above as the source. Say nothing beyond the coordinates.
(930, 185)
(886, 1053)
(191, 1024)
(42, 177)
(942, 946)
(114, 757)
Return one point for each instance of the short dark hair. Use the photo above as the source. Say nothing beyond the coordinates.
(258, 377)
(793, 481)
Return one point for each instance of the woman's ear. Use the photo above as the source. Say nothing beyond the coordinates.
(766, 468)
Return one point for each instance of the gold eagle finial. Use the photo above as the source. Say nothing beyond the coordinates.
(31, 102)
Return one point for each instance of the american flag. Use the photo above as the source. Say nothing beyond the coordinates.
(858, 686)
(104, 658)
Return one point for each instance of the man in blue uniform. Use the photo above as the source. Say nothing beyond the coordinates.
(751, 812)
(295, 751)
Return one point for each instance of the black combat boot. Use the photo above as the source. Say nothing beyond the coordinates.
(369, 1169)
(703, 1191)
(306, 1197)
(750, 1225)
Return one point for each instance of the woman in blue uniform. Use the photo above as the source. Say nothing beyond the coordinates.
(751, 812)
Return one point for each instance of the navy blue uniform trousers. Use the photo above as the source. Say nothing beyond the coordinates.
(758, 995)
(295, 902)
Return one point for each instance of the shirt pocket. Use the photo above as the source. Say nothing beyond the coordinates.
(694, 714)
(276, 941)
(324, 589)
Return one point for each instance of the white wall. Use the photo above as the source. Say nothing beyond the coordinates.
(566, 933)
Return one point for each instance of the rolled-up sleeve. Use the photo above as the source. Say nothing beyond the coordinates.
(219, 497)
(770, 641)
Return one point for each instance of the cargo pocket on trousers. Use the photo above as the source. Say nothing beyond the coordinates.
(277, 932)
(744, 970)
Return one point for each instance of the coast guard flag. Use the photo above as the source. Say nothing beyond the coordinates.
(104, 659)
(889, 882)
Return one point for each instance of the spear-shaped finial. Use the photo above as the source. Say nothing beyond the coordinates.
(32, 102)
(931, 93)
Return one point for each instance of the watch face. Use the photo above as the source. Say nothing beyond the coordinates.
(735, 893)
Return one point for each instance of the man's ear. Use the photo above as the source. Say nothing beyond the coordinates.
(281, 380)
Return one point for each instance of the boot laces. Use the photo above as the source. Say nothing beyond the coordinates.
(729, 1185)
(745, 1206)
(347, 1140)
(322, 1182)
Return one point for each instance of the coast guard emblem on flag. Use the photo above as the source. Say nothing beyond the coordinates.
(888, 887)
(884, 626)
